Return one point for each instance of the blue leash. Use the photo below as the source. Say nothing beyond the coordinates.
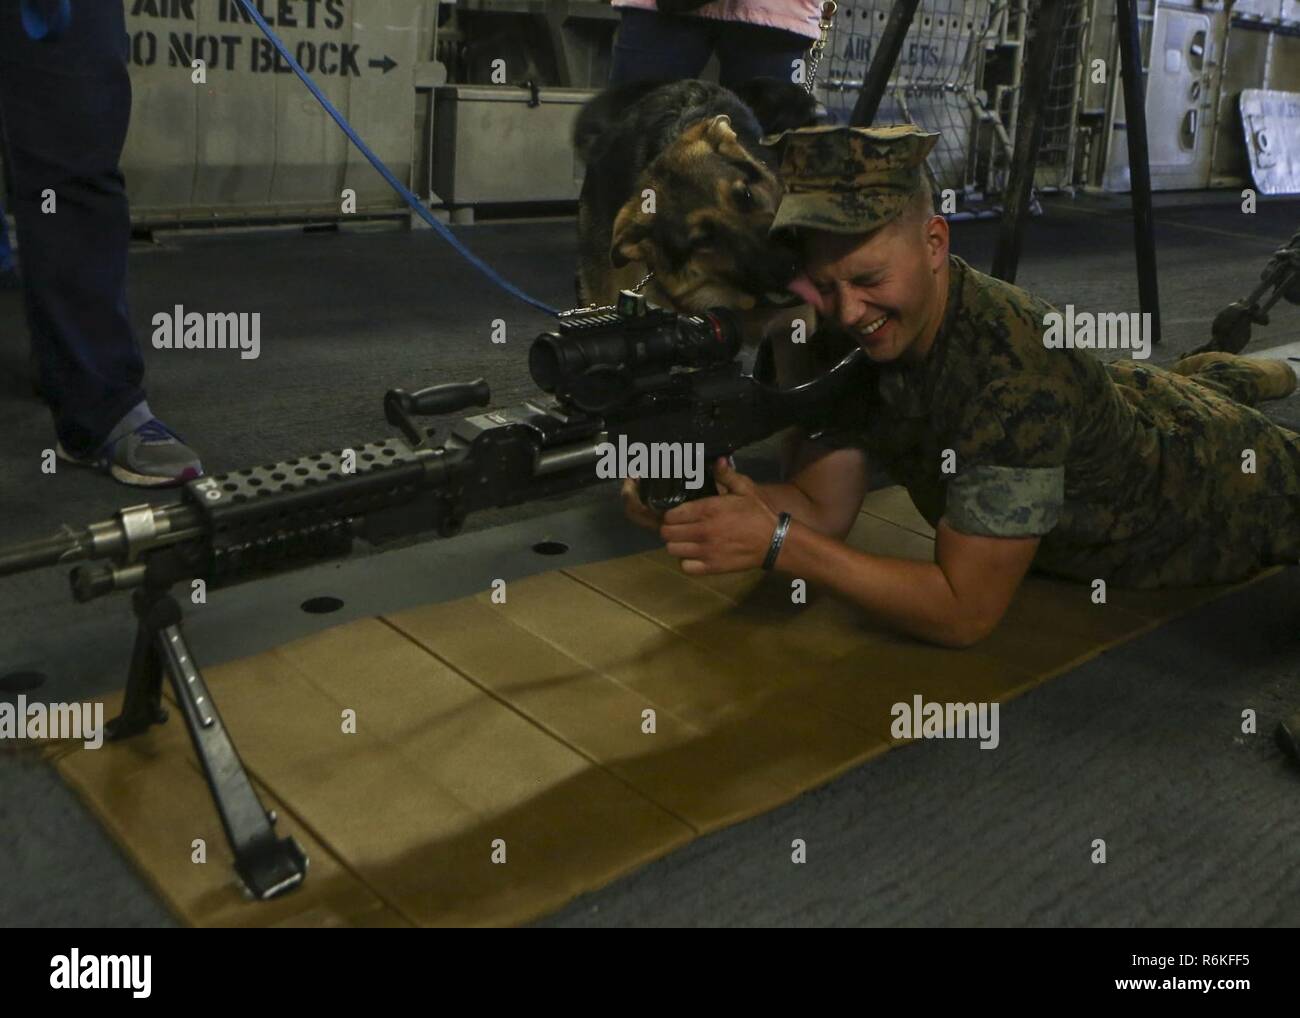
(416, 205)
(46, 20)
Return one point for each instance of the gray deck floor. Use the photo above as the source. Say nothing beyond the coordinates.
(1141, 747)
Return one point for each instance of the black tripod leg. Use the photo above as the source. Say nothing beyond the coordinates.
(1135, 119)
(1029, 137)
(268, 865)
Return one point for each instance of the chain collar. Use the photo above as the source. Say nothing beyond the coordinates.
(592, 309)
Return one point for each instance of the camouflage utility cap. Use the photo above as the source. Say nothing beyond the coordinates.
(849, 179)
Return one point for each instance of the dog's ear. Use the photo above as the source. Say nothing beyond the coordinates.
(631, 234)
(715, 130)
(720, 132)
(722, 137)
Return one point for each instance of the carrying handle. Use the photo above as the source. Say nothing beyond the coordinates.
(400, 406)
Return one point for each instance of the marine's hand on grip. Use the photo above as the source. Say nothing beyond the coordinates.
(729, 533)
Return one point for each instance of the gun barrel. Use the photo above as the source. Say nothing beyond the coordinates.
(121, 538)
(47, 551)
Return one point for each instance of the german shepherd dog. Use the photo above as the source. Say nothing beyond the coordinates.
(678, 184)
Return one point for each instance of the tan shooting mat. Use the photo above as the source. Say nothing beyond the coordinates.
(500, 763)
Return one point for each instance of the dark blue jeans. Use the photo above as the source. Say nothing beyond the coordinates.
(6, 252)
(64, 109)
(653, 46)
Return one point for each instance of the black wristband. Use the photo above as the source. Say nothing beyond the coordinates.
(778, 539)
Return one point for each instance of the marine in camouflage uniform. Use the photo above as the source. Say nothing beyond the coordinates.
(1128, 472)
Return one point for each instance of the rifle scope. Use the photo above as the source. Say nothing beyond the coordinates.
(600, 358)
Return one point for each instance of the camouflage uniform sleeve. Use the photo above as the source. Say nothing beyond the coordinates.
(1010, 476)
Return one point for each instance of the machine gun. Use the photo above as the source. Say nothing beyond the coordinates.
(622, 373)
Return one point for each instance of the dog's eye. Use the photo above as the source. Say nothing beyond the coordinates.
(745, 198)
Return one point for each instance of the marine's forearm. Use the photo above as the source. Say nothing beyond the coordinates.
(914, 598)
(789, 498)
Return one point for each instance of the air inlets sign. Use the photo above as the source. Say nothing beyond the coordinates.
(233, 41)
(222, 128)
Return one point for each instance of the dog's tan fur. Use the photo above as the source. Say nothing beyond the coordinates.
(708, 158)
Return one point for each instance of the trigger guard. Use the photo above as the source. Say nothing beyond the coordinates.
(660, 503)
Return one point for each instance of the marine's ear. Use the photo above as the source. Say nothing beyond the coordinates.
(631, 234)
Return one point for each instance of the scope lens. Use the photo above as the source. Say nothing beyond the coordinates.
(711, 338)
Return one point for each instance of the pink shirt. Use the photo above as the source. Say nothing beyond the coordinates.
(799, 16)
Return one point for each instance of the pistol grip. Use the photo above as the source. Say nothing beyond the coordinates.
(664, 493)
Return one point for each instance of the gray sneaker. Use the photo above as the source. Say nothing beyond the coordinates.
(151, 456)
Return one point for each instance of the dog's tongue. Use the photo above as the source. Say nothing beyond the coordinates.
(803, 288)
